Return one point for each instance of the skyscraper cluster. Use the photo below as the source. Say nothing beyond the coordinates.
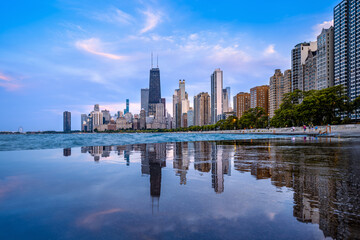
(334, 59)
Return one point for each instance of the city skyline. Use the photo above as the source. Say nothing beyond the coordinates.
(80, 62)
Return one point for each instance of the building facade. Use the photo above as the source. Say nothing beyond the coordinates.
(280, 84)
(298, 57)
(145, 99)
(67, 121)
(347, 48)
(310, 71)
(180, 105)
(154, 90)
(216, 95)
(325, 59)
(202, 113)
(259, 97)
(242, 103)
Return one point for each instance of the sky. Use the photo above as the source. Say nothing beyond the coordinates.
(67, 55)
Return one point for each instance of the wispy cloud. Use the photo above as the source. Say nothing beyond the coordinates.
(152, 20)
(5, 78)
(270, 50)
(94, 46)
(324, 25)
(8, 83)
(113, 15)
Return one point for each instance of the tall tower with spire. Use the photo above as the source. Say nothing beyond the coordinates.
(154, 87)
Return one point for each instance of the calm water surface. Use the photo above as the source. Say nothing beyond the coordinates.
(242, 189)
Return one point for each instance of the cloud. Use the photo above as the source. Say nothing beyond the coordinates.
(5, 78)
(8, 83)
(270, 50)
(93, 45)
(152, 20)
(319, 27)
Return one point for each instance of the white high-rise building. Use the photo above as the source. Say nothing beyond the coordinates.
(216, 95)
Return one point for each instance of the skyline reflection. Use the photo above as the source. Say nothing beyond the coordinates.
(324, 179)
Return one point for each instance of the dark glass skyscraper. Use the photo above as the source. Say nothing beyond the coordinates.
(126, 110)
(154, 86)
(154, 90)
(67, 121)
(346, 48)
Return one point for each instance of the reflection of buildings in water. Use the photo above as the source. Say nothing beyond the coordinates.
(67, 152)
(153, 158)
(220, 165)
(326, 182)
(182, 159)
(202, 156)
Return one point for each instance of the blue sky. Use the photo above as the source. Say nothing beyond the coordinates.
(68, 55)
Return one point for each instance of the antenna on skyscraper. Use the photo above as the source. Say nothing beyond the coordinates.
(157, 61)
(151, 60)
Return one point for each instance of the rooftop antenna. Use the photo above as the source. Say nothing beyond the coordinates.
(157, 61)
(151, 60)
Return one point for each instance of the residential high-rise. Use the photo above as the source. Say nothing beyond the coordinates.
(234, 103)
(310, 71)
(230, 108)
(279, 85)
(242, 101)
(259, 97)
(154, 89)
(84, 121)
(106, 116)
(180, 105)
(346, 48)
(145, 99)
(142, 119)
(202, 113)
(190, 117)
(126, 110)
(67, 121)
(225, 100)
(287, 81)
(325, 59)
(216, 95)
(298, 57)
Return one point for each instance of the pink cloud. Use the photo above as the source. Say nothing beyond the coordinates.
(93, 45)
(9, 84)
(5, 78)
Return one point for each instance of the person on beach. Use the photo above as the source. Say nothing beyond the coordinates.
(304, 128)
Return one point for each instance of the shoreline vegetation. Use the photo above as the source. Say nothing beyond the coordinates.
(315, 112)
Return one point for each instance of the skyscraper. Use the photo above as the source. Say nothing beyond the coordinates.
(216, 95)
(67, 121)
(180, 105)
(225, 99)
(126, 110)
(346, 48)
(298, 57)
(325, 59)
(142, 119)
(145, 99)
(310, 71)
(202, 114)
(84, 121)
(260, 97)
(279, 85)
(242, 103)
(154, 89)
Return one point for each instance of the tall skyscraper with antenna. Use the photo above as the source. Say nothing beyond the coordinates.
(154, 87)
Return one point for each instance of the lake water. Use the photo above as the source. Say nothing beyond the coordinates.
(288, 188)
